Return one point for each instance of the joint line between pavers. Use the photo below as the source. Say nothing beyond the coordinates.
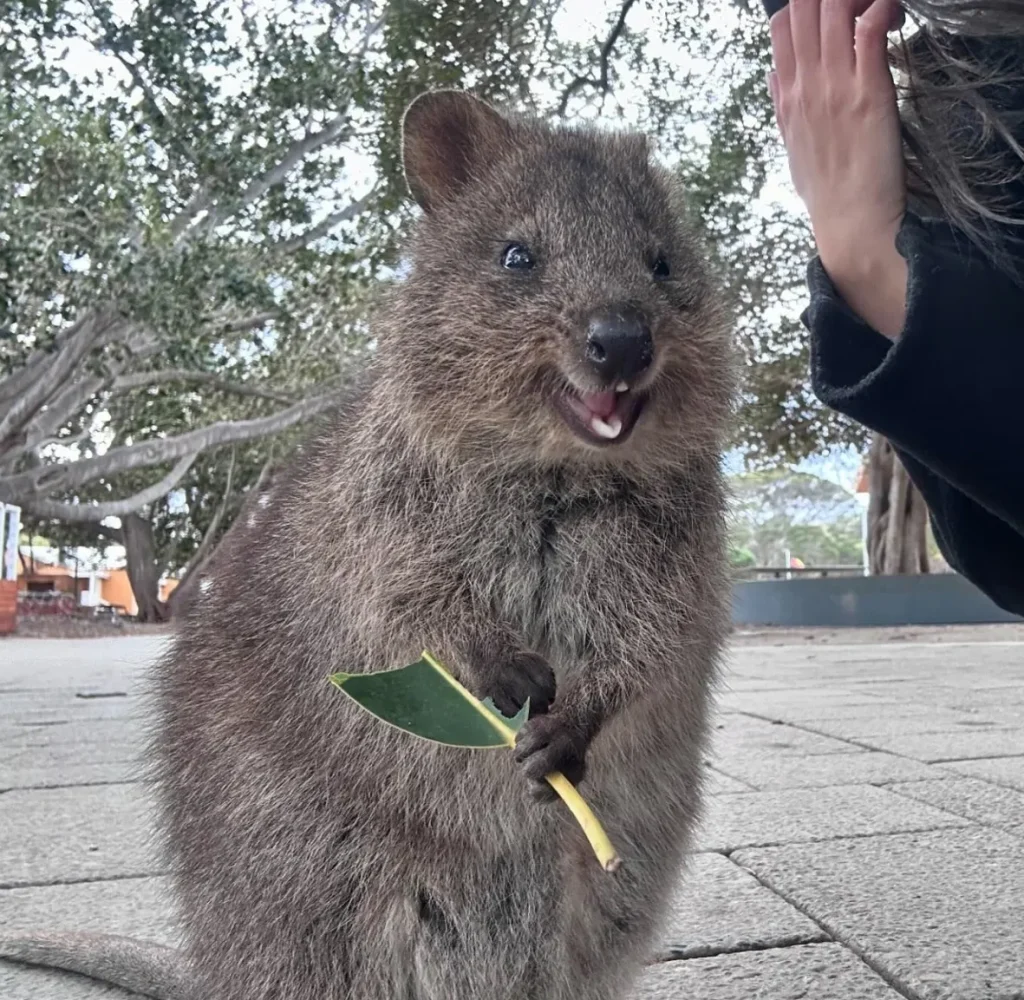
(803, 727)
(970, 760)
(828, 736)
(972, 820)
(741, 781)
(76, 784)
(729, 851)
(158, 873)
(893, 981)
(711, 951)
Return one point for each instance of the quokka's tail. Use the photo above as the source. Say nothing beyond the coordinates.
(143, 967)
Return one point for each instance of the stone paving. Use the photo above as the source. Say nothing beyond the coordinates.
(864, 838)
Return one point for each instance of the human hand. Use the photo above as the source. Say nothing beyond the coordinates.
(835, 104)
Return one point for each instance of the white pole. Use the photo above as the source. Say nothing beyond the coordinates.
(10, 529)
(864, 500)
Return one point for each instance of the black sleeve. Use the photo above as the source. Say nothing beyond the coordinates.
(948, 394)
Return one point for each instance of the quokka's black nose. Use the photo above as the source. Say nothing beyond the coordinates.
(619, 342)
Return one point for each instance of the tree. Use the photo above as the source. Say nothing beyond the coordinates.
(898, 541)
(193, 225)
(192, 228)
(779, 511)
(196, 210)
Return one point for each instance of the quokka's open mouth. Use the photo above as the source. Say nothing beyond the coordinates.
(601, 418)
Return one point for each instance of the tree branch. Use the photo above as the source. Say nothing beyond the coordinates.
(141, 380)
(89, 331)
(39, 482)
(199, 202)
(77, 513)
(292, 157)
(323, 227)
(140, 343)
(601, 82)
(199, 557)
(247, 323)
(11, 386)
(64, 442)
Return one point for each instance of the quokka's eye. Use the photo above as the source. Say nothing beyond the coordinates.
(660, 268)
(516, 257)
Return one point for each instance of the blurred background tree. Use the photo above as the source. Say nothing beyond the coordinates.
(200, 201)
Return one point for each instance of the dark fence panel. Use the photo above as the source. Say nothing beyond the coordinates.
(865, 601)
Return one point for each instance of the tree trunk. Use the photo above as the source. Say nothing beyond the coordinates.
(183, 598)
(897, 516)
(143, 572)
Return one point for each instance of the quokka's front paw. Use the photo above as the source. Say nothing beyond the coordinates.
(509, 682)
(551, 743)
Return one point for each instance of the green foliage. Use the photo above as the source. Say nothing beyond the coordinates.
(216, 186)
(213, 188)
(741, 558)
(779, 511)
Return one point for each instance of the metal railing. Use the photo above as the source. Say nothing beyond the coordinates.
(792, 573)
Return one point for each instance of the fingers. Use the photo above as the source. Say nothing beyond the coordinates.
(837, 21)
(872, 44)
(773, 90)
(782, 48)
(835, 35)
(805, 17)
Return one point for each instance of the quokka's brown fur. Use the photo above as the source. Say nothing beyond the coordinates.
(322, 855)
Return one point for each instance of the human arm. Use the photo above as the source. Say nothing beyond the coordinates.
(947, 394)
(914, 334)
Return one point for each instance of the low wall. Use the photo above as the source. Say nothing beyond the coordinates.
(865, 601)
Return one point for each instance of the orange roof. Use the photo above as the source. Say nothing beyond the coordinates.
(42, 569)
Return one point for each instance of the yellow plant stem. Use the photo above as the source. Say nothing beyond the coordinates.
(599, 841)
(591, 826)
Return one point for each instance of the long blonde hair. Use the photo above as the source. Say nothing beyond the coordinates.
(961, 81)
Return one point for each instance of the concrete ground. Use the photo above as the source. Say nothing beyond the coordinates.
(864, 837)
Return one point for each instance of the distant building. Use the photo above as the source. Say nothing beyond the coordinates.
(90, 587)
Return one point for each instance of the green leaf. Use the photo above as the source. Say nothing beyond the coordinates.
(425, 700)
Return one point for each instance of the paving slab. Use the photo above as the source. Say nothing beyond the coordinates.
(797, 703)
(912, 905)
(810, 972)
(71, 834)
(57, 756)
(1007, 771)
(44, 663)
(718, 783)
(823, 770)
(939, 747)
(41, 713)
(138, 907)
(985, 803)
(939, 913)
(736, 733)
(79, 733)
(721, 908)
(798, 815)
(869, 729)
(37, 760)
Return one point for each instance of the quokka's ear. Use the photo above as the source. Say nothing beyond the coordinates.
(447, 135)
